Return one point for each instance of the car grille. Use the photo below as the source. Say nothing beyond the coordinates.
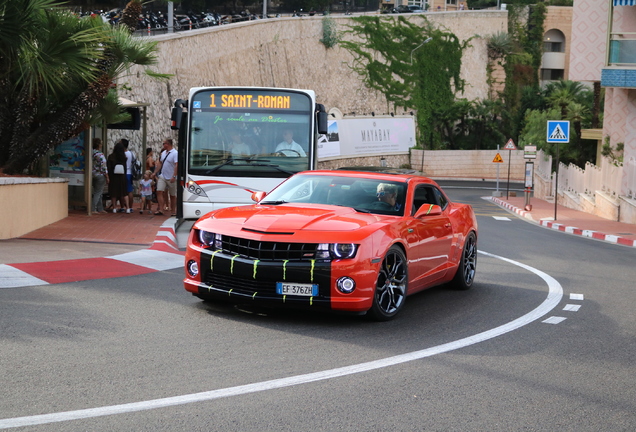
(268, 251)
(228, 282)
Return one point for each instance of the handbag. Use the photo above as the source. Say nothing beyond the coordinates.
(119, 169)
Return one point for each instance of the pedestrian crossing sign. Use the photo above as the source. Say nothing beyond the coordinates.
(558, 131)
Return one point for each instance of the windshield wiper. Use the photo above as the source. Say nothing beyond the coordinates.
(274, 202)
(227, 162)
(273, 166)
(359, 210)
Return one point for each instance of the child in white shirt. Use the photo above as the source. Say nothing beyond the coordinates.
(145, 190)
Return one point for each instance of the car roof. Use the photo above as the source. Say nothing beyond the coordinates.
(388, 175)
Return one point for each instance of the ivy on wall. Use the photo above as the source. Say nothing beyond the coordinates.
(413, 64)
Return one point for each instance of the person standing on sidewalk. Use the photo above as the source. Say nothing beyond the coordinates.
(130, 159)
(166, 175)
(117, 175)
(100, 176)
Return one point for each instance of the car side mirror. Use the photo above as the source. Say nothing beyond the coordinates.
(428, 210)
(258, 196)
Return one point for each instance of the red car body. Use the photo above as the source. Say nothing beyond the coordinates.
(326, 232)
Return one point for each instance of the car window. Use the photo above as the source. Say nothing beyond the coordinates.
(362, 194)
(427, 194)
(441, 199)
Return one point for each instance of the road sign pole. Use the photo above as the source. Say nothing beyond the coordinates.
(558, 131)
(556, 184)
(497, 172)
(508, 186)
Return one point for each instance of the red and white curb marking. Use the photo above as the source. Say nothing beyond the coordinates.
(164, 254)
(564, 228)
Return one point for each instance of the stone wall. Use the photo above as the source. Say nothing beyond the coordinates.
(475, 164)
(283, 52)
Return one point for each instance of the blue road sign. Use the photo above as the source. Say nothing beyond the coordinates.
(558, 131)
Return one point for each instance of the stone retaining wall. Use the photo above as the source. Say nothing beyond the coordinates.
(284, 52)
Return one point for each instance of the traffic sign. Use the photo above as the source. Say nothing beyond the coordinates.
(498, 159)
(558, 131)
(510, 145)
(530, 152)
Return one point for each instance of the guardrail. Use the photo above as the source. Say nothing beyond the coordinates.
(630, 168)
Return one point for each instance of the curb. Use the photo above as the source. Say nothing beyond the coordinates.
(163, 254)
(564, 228)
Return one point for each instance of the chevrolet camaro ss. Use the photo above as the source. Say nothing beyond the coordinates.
(345, 241)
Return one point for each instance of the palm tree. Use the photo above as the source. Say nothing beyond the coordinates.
(54, 72)
(561, 93)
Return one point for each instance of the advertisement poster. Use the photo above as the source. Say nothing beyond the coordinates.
(67, 161)
(367, 136)
(329, 145)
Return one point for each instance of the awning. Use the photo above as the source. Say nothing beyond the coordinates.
(624, 2)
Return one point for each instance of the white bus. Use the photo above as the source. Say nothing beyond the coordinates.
(234, 141)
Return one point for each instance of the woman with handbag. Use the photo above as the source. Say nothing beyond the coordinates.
(118, 187)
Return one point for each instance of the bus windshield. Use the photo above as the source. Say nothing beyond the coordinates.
(250, 133)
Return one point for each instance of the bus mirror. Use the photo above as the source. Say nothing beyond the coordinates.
(321, 119)
(258, 196)
(177, 113)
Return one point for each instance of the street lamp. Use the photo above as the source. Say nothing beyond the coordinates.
(425, 42)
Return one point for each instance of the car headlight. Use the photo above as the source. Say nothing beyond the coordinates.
(336, 250)
(209, 239)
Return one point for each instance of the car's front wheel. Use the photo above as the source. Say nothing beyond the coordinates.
(390, 289)
(467, 267)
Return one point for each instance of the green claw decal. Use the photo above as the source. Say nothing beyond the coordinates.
(255, 265)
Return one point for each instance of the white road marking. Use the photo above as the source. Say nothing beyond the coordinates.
(153, 259)
(576, 297)
(572, 308)
(11, 277)
(554, 320)
(555, 293)
(501, 218)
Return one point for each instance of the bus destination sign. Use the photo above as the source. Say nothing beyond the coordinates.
(250, 101)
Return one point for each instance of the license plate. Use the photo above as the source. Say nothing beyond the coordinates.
(299, 289)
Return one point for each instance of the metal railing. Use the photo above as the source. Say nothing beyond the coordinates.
(630, 169)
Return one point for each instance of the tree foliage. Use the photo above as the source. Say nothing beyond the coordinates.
(55, 70)
(415, 66)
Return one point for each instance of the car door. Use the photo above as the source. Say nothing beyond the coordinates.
(430, 239)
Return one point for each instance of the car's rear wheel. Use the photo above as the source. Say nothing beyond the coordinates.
(390, 289)
(465, 275)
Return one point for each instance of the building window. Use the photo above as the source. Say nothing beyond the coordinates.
(553, 47)
(551, 74)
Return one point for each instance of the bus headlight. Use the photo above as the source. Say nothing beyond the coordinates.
(195, 189)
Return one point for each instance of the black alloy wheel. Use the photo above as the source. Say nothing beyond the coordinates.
(467, 267)
(390, 290)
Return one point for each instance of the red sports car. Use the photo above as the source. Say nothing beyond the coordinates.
(335, 240)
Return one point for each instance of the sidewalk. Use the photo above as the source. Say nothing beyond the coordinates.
(570, 221)
(81, 247)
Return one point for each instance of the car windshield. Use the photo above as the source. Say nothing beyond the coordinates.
(365, 195)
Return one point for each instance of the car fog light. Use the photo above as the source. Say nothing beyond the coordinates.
(197, 212)
(346, 285)
(193, 268)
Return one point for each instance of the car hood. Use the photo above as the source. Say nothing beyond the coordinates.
(287, 218)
